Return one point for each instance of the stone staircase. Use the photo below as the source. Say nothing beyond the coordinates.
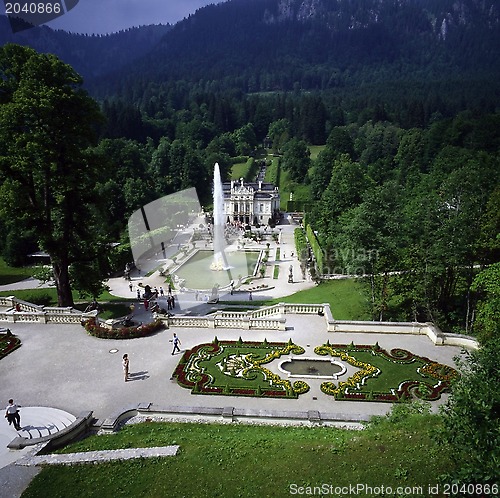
(41, 421)
(37, 421)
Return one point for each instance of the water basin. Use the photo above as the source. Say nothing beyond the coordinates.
(312, 368)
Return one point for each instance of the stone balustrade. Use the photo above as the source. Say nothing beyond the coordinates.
(304, 308)
(268, 318)
(229, 319)
(186, 321)
(433, 332)
(19, 311)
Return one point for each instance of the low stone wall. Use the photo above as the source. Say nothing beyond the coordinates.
(433, 332)
(17, 310)
(229, 414)
(268, 318)
(76, 430)
(227, 319)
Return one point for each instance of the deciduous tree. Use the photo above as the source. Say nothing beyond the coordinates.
(46, 127)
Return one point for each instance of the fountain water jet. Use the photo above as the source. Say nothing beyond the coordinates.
(220, 260)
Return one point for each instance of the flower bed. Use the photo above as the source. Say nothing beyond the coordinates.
(235, 368)
(96, 330)
(8, 343)
(411, 375)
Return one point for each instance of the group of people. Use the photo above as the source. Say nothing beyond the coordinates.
(150, 295)
(126, 361)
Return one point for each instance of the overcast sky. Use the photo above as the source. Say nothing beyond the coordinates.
(107, 16)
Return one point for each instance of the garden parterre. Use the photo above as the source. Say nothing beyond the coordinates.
(236, 368)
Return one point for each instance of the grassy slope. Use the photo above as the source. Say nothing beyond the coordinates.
(9, 275)
(248, 461)
(239, 170)
(346, 299)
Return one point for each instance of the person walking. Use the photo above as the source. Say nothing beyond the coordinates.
(176, 342)
(12, 415)
(126, 366)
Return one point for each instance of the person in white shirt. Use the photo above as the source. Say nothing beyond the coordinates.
(126, 366)
(12, 415)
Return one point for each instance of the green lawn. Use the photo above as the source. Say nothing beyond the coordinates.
(315, 150)
(252, 461)
(346, 298)
(247, 170)
(239, 170)
(9, 274)
(300, 191)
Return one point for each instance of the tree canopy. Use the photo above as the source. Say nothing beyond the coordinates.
(47, 124)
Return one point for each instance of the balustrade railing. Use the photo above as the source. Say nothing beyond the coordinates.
(268, 318)
(17, 310)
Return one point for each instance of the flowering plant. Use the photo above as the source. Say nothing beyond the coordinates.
(8, 343)
(96, 330)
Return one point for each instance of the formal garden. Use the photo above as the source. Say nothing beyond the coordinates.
(236, 368)
(387, 376)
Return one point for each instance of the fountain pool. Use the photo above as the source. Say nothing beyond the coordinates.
(196, 271)
(312, 368)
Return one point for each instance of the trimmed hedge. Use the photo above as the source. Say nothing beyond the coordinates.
(300, 244)
(316, 248)
(235, 368)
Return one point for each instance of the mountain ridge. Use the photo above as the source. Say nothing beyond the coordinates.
(90, 55)
(284, 45)
(319, 29)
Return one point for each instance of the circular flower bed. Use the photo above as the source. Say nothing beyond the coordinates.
(93, 328)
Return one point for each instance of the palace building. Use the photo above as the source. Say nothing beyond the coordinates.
(251, 202)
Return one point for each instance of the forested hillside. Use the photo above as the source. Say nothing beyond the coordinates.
(416, 211)
(91, 55)
(403, 93)
(376, 49)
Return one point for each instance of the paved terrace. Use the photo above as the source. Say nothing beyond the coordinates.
(63, 368)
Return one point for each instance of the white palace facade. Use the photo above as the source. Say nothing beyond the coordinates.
(250, 202)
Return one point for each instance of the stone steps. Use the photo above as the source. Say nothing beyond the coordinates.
(38, 421)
